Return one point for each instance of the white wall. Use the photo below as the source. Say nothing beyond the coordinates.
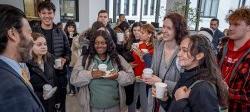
(88, 11)
(95, 7)
(57, 13)
(15, 3)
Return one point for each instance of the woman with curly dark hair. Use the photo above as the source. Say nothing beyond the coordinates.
(101, 76)
(165, 55)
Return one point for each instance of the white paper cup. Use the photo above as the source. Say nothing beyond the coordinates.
(71, 34)
(160, 89)
(147, 73)
(120, 37)
(102, 67)
(46, 88)
(58, 63)
(135, 45)
(144, 50)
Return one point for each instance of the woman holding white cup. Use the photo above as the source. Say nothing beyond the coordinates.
(165, 56)
(99, 93)
(201, 87)
(42, 72)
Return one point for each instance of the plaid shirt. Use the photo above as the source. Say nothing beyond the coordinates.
(238, 82)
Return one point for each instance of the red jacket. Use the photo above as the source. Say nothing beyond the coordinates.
(137, 60)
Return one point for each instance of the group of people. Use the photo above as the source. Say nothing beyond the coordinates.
(206, 72)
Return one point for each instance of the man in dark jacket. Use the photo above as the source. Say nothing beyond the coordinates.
(58, 45)
(217, 34)
(103, 17)
(16, 93)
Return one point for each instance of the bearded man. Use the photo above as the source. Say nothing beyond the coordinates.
(16, 93)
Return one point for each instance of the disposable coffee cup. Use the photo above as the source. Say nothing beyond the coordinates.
(46, 88)
(160, 89)
(102, 67)
(71, 34)
(135, 45)
(144, 50)
(58, 63)
(147, 73)
(120, 37)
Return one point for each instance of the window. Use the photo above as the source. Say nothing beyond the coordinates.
(69, 10)
(209, 8)
(145, 7)
(30, 9)
(118, 7)
(126, 7)
(152, 7)
(134, 8)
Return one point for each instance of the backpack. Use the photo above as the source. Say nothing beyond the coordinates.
(222, 109)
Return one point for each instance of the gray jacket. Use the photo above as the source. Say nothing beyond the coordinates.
(81, 77)
(170, 77)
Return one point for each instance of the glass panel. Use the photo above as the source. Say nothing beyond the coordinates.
(126, 7)
(152, 7)
(134, 8)
(214, 8)
(145, 7)
(118, 7)
(69, 10)
(207, 8)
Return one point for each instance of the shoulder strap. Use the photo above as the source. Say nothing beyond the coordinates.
(237, 64)
(172, 62)
(196, 82)
(199, 81)
(224, 52)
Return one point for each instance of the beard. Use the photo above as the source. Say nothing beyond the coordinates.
(24, 49)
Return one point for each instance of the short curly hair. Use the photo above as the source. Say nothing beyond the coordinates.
(180, 25)
(240, 14)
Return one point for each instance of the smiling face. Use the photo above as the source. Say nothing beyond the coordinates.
(47, 17)
(137, 32)
(145, 36)
(100, 45)
(186, 60)
(40, 46)
(168, 30)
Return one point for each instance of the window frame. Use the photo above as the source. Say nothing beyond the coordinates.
(134, 7)
(76, 11)
(210, 15)
(152, 9)
(145, 7)
(126, 7)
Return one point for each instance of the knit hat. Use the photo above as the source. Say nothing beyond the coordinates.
(207, 32)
